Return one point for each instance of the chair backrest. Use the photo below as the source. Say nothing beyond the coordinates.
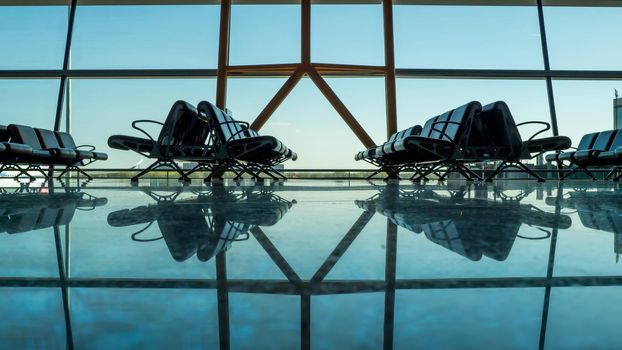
(178, 126)
(24, 135)
(587, 141)
(458, 123)
(494, 128)
(223, 125)
(463, 116)
(603, 141)
(5, 136)
(47, 138)
(617, 140)
(412, 131)
(65, 139)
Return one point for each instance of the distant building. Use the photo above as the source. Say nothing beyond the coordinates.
(617, 113)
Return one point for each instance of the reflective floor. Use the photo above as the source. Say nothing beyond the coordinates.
(311, 265)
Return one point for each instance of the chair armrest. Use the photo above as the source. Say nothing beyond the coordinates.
(145, 121)
(91, 147)
(548, 126)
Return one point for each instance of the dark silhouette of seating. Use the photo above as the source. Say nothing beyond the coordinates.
(496, 137)
(206, 224)
(182, 138)
(240, 149)
(598, 210)
(466, 135)
(24, 212)
(457, 223)
(440, 143)
(24, 145)
(601, 149)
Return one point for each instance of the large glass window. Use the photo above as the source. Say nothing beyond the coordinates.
(264, 34)
(467, 37)
(358, 40)
(584, 37)
(30, 102)
(145, 37)
(32, 37)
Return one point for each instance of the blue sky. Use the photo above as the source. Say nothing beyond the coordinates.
(425, 37)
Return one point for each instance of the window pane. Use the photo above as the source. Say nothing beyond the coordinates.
(584, 106)
(29, 102)
(308, 124)
(145, 37)
(584, 37)
(104, 107)
(467, 37)
(347, 34)
(265, 34)
(33, 37)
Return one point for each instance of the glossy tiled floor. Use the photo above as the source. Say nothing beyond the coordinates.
(310, 264)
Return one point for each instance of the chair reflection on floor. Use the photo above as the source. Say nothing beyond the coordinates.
(599, 210)
(206, 224)
(28, 211)
(471, 227)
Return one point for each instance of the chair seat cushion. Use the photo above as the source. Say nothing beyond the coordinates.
(566, 156)
(552, 157)
(18, 149)
(366, 154)
(131, 143)
(546, 144)
(100, 156)
(584, 154)
(259, 149)
(415, 149)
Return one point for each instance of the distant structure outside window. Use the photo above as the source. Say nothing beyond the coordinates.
(617, 112)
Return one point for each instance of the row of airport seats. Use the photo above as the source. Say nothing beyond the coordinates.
(23, 148)
(464, 135)
(23, 212)
(599, 149)
(210, 137)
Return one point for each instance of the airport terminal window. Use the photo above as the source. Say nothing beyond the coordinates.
(264, 34)
(357, 41)
(32, 37)
(30, 102)
(483, 37)
(584, 37)
(584, 106)
(145, 37)
(104, 107)
(307, 122)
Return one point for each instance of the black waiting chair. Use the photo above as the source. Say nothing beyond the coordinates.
(440, 143)
(240, 149)
(602, 149)
(182, 138)
(24, 145)
(68, 155)
(496, 137)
